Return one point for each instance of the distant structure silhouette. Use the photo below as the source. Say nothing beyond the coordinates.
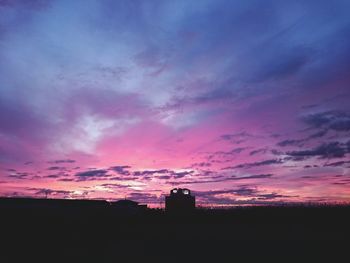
(125, 203)
(180, 200)
(128, 205)
(73, 206)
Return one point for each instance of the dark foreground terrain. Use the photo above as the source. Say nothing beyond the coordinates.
(69, 231)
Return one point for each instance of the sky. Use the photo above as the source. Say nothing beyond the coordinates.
(243, 102)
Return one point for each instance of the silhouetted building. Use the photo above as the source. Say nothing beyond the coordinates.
(180, 200)
(126, 205)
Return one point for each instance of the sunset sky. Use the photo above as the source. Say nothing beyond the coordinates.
(243, 102)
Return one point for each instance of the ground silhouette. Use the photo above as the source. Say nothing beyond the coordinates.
(95, 231)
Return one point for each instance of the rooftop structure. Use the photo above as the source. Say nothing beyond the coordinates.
(180, 200)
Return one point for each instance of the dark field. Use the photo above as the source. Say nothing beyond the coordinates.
(70, 231)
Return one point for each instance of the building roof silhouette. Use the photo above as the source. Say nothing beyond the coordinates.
(180, 200)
